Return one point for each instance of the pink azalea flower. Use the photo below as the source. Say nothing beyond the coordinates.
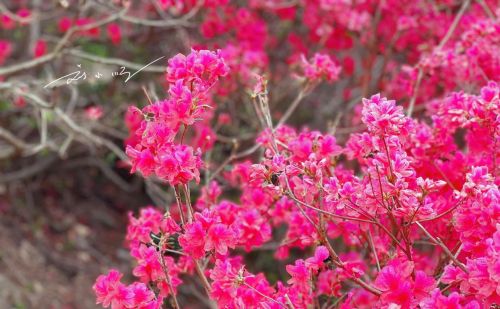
(320, 67)
(113, 31)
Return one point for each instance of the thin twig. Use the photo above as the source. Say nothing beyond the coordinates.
(204, 280)
(289, 301)
(456, 256)
(264, 295)
(105, 169)
(26, 65)
(29, 171)
(293, 106)
(13, 140)
(325, 241)
(370, 238)
(438, 241)
(486, 9)
(80, 131)
(443, 213)
(167, 276)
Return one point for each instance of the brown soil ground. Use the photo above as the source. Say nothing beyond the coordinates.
(58, 232)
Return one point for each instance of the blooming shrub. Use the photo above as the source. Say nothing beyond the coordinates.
(396, 205)
(416, 211)
(405, 191)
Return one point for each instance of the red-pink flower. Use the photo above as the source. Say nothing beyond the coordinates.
(452, 301)
(317, 261)
(383, 116)
(320, 67)
(7, 22)
(219, 238)
(24, 14)
(142, 160)
(5, 50)
(111, 292)
(92, 32)
(65, 23)
(300, 274)
(94, 112)
(193, 240)
(199, 66)
(114, 33)
(40, 48)
(178, 164)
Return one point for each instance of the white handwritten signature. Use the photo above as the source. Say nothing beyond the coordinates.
(82, 75)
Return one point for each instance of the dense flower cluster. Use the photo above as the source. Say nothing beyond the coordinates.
(397, 201)
(321, 66)
(111, 292)
(155, 149)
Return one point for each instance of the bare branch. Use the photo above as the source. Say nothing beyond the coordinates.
(438, 242)
(291, 108)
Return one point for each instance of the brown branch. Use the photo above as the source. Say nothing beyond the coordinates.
(73, 126)
(440, 243)
(293, 106)
(29, 171)
(442, 214)
(13, 140)
(486, 9)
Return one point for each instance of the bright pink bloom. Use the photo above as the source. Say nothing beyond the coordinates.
(178, 164)
(142, 161)
(65, 23)
(300, 274)
(193, 240)
(114, 33)
(382, 116)
(94, 112)
(320, 67)
(111, 292)
(7, 22)
(220, 238)
(452, 301)
(317, 261)
(93, 32)
(5, 50)
(40, 48)
(203, 65)
(24, 14)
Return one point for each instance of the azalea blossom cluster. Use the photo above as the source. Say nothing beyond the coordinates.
(417, 213)
(402, 215)
(156, 149)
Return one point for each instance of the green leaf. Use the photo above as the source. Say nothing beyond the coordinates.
(96, 49)
(4, 106)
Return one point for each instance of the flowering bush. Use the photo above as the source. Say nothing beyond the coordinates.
(388, 199)
(419, 215)
(399, 198)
